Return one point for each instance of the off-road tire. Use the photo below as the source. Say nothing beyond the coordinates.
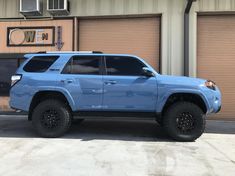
(184, 111)
(56, 124)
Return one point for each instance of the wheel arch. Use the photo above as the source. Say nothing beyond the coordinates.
(47, 94)
(195, 98)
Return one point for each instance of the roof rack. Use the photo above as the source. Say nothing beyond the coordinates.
(81, 52)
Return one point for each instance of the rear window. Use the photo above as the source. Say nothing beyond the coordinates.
(40, 63)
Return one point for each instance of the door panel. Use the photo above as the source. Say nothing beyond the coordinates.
(130, 93)
(86, 90)
(83, 79)
(125, 87)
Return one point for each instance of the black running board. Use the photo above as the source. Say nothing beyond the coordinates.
(114, 115)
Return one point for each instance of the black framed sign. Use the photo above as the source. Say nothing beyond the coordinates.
(31, 36)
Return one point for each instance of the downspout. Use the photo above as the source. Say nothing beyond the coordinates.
(186, 37)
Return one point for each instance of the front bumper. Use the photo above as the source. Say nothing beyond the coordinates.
(218, 109)
(214, 100)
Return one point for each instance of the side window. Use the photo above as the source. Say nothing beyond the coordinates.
(83, 65)
(125, 66)
(40, 63)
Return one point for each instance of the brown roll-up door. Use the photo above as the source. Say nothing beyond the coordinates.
(138, 36)
(216, 57)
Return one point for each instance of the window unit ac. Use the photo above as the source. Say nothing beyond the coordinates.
(31, 7)
(58, 7)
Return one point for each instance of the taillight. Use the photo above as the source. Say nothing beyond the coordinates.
(15, 79)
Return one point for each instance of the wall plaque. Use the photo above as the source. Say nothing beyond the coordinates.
(31, 36)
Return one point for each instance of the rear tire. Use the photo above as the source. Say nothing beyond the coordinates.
(51, 118)
(184, 121)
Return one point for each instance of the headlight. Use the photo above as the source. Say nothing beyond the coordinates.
(210, 84)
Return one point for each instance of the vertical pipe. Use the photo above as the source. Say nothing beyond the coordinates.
(75, 33)
(186, 37)
(186, 44)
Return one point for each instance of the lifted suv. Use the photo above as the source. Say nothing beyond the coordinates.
(54, 88)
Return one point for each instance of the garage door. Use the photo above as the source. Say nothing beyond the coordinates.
(138, 36)
(216, 57)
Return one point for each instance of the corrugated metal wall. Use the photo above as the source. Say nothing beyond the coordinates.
(10, 8)
(216, 5)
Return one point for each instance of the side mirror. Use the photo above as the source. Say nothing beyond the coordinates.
(147, 72)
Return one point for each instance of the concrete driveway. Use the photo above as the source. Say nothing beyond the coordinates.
(120, 148)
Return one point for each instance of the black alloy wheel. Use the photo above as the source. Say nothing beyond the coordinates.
(184, 121)
(51, 118)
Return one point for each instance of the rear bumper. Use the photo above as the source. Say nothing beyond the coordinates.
(19, 100)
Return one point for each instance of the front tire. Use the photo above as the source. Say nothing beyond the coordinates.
(51, 118)
(184, 121)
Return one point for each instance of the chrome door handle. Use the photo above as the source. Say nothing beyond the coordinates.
(66, 81)
(110, 82)
(97, 91)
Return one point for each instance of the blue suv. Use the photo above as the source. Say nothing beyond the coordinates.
(54, 88)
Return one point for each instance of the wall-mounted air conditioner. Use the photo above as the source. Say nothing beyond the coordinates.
(58, 7)
(31, 7)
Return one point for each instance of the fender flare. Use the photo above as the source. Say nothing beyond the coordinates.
(64, 91)
(162, 100)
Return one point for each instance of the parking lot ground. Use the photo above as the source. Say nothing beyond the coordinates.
(119, 148)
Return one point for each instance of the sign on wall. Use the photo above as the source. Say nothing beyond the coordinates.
(31, 36)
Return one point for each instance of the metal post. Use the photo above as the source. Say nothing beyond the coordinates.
(186, 37)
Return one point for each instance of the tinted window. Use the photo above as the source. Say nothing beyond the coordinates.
(40, 63)
(117, 65)
(88, 65)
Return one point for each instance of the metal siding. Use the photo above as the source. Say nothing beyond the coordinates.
(10, 8)
(215, 5)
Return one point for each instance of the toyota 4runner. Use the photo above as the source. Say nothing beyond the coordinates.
(54, 88)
